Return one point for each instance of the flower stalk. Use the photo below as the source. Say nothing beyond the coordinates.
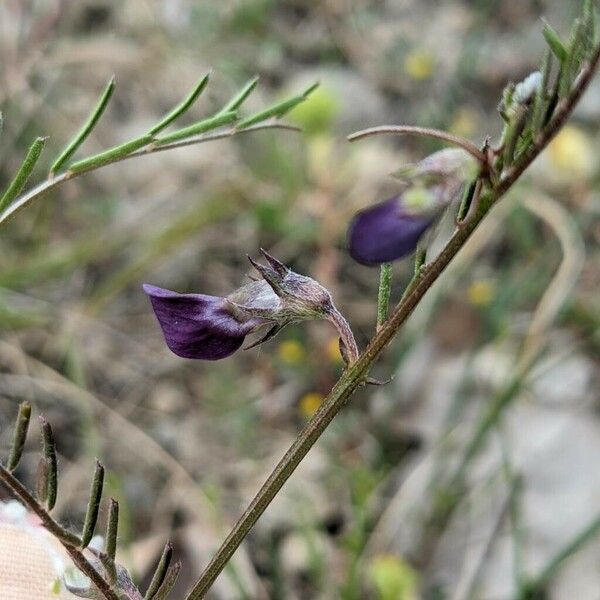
(437, 134)
(383, 296)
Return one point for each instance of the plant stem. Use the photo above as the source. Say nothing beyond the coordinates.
(549, 571)
(69, 540)
(350, 380)
(383, 297)
(356, 373)
(111, 155)
(346, 336)
(51, 183)
(463, 143)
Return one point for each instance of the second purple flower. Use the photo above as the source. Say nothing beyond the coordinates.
(392, 229)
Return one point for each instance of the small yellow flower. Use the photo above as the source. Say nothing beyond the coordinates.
(419, 65)
(333, 350)
(309, 403)
(572, 152)
(291, 352)
(481, 293)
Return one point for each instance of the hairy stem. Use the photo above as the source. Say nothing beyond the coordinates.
(463, 143)
(355, 375)
(383, 296)
(349, 346)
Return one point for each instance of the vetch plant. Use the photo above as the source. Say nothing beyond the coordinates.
(535, 115)
(469, 180)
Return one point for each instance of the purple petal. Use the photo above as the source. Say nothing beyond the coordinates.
(196, 325)
(385, 232)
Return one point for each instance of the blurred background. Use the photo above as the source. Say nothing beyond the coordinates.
(375, 510)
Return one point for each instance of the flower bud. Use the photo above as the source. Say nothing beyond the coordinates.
(391, 229)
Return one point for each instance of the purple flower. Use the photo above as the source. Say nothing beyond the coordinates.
(212, 327)
(386, 232)
(391, 229)
(197, 325)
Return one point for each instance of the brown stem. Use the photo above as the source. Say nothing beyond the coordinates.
(69, 540)
(356, 373)
(346, 336)
(461, 142)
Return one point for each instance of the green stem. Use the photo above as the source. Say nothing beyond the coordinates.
(351, 379)
(420, 257)
(383, 297)
(549, 571)
(111, 155)
(515, 487)
(490, 418)
(199, 127)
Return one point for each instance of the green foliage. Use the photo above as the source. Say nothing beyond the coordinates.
(146, 143)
